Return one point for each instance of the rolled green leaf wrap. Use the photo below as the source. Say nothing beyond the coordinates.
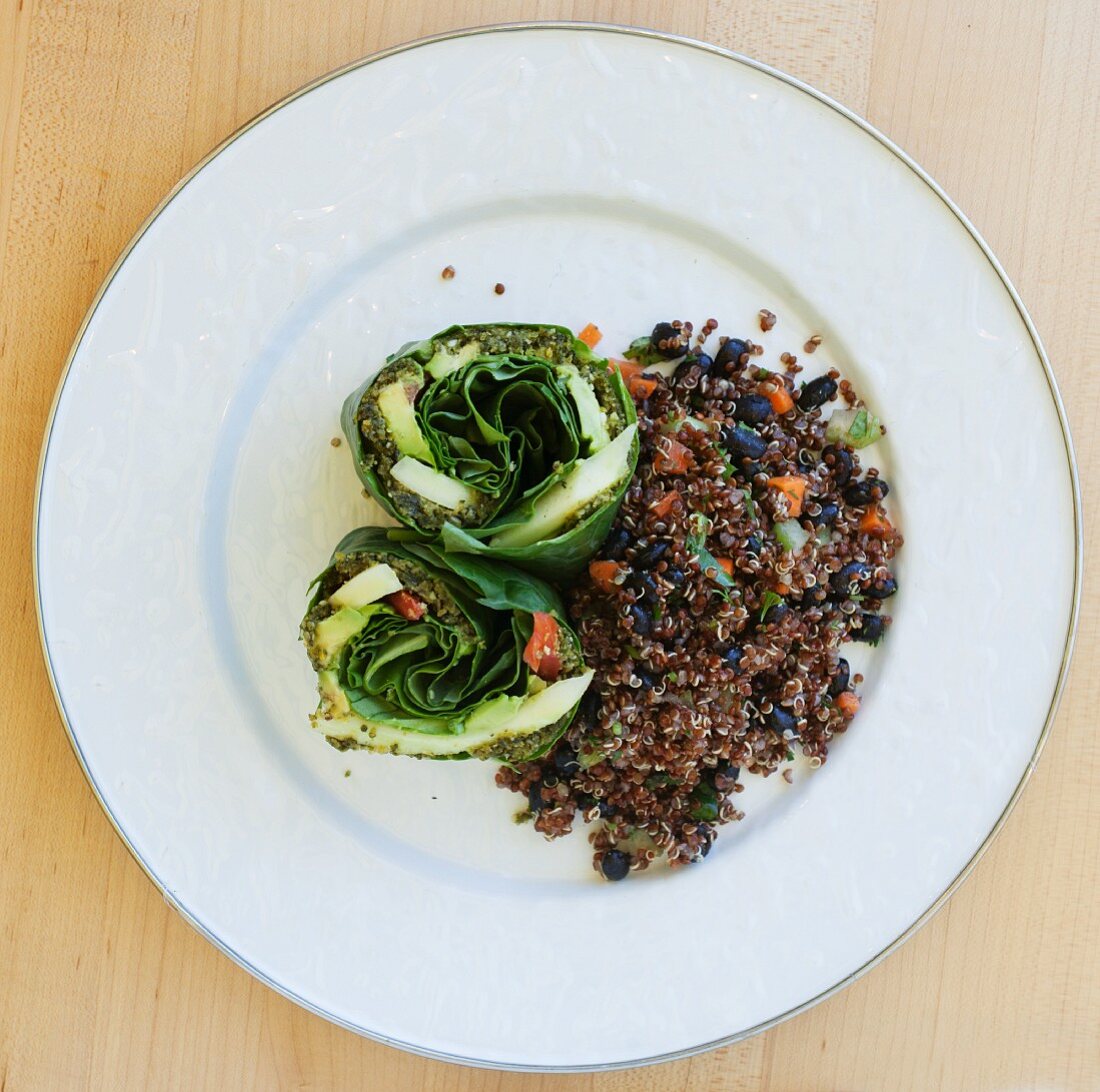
(423, 653)
(510, 441)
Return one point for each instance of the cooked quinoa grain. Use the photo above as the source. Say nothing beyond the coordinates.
(745, 555)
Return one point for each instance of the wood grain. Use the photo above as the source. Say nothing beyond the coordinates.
(103, 104)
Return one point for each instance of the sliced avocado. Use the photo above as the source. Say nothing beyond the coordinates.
(588, 479)
(593, 419)
(333, 698)
(451, 357)
(366, 587)
(533, 713)
(395, 401)
(432, 485)
(333, 632)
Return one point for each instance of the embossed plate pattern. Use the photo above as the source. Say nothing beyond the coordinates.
(189, 492)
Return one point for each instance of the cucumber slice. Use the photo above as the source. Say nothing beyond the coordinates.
(432, 485)
(366, 587)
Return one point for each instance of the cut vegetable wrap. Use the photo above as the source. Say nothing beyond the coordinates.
(423, 653)
(510, 441)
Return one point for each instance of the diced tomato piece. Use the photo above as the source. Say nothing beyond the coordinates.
(672, 456)
(407, 605)
(603, 574)
(727, 565)
(783, 589)
(542, 654)
(590, 335)
(794, 489)
(848, 704)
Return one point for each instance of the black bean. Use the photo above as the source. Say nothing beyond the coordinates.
(726, 772)
(872, 628)
(754, 544)
(588, 710)
(867, 491)
(702, 361)
(565, 761)
(728, 357)
(616, 544)
(776, 611)
(852, 578)
(840, 680)
(671, 337)
(706, 833)
(752, 409)
(882, 589)
(732, 657)
(817, 392)
(606, 810)
(743, 443)
(534, 796)
(674, 576)
(615, 865)
(652, 553)
(840, 463)
(827, 516)
(648, 587)
(641, 620)
(644, 677)
(782, 720)
(748, 469)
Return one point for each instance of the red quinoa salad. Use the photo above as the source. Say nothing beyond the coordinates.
(750, 547)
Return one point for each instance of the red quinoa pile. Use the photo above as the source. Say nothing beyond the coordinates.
(750, 547)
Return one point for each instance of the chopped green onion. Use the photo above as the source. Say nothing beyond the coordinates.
(792, 535)
(855, 427)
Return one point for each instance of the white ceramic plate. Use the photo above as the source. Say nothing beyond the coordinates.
(189, 493)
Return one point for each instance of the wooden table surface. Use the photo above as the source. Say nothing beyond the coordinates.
(103, 105)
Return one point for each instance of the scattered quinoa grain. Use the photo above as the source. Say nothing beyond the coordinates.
(448, 273)
(767, 319)
(498, 288)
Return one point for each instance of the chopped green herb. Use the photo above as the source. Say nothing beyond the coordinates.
(790, 755)
(704, 798)
(616, 729)
(771, 599)
(750, 504)
(589, 758)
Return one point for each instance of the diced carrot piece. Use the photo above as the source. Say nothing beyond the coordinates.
(848, 704)
(794, 489)
(662, 507)
(672, 456)
(641, 386)
(873, 522)
(780, 399)
(726, 565)
(627, 368)
(590, 335)
(603, 574)
(783, 589)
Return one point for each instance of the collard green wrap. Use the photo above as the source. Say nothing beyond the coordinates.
(510, 441)
(419, 652)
